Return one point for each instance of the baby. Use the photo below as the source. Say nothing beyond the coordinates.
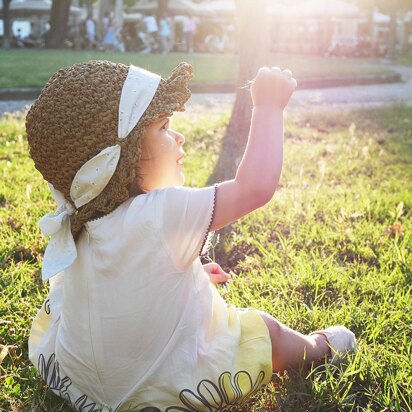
(133, 320)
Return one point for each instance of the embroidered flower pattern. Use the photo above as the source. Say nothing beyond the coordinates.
(47, 306)
(50, 372)
(228, 395)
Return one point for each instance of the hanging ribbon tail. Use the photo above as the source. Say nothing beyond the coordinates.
(58, 197)
(61, 251)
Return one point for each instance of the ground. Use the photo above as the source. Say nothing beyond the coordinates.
(303, 100)
(333, 246)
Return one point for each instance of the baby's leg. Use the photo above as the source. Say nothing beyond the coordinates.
(291, 349)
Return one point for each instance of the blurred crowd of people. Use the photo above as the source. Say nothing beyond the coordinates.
(156, 35)
(188, 33)
(147, 34)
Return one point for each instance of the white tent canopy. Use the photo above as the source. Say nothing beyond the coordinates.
(19, 7)
(132, 17)
(219, 7)
(308, 8)
(380, 17)
(330, 8)
(175, 7)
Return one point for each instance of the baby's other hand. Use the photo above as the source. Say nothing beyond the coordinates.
(216, 273)
(272, 87)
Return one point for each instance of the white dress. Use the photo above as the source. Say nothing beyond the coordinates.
(134, 323)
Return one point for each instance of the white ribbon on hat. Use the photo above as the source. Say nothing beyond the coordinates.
(90, 180)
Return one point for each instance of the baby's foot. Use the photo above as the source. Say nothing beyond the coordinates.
(340, 340)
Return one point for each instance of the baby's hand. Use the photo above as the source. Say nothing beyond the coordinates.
(216, 273)
(272, 87)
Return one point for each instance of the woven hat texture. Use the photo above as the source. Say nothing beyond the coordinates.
(76, 116)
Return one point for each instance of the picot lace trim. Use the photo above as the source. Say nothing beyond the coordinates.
(202, 251)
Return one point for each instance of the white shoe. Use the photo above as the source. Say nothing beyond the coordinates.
(340, 340)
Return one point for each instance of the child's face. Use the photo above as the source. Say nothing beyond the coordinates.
(162, 153)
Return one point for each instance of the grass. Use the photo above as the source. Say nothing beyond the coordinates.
(332, 247)
(32, 68)
(405, 60)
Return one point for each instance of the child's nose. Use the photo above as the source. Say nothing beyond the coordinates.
(180, 139)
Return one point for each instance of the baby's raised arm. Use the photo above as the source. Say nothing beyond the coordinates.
(259, 171)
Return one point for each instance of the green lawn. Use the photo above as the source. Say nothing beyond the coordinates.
(332, 247)
(405, 60)
(32, 68)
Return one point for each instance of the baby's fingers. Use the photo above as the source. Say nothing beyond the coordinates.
(272, 87)
(263, 71)
(217, 278)
(287, 73)
(213, 267)
(275, 70)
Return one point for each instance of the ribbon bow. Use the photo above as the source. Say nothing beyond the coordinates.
(61, 250)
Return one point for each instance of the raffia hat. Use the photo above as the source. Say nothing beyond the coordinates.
(78, 115)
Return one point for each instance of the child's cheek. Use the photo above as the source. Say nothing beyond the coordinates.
(168, 144)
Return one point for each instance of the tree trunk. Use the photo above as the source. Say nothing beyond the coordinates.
(118, 18)
(103, 6)
(392, 33)
(402, 34)
(59, 17)
(7, 24)
(90, 7)
(162, 8)
(372, 30)
(253, 51)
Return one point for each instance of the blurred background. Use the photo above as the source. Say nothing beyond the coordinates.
(351, 28)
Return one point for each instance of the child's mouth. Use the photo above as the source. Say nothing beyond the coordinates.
(179, 161)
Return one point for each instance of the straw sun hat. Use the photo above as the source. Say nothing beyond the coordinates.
(77, 116)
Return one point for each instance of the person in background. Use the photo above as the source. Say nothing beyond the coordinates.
(109, 39)
(189, 31)
(104, 24)
(18, 34)
(90, 32)
(151, 33)
(165, 34)
(105, 21)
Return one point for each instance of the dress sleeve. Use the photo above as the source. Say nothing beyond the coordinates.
(184, 216)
